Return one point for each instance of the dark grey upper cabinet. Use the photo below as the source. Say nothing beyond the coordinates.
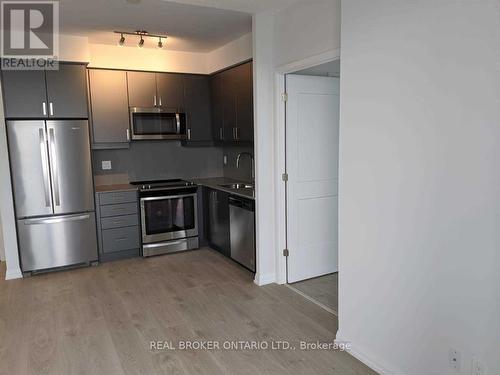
(170, 90)
(232, 104)
(58, 93)
(197, 106)
(229, 92)
(67, 91)
(24, 93)
(142, 89)
(217, 116)
(244, 103)
(109, 106)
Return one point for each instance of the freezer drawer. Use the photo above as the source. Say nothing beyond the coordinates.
(57, 241)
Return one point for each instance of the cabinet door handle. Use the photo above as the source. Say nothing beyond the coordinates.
(236, 130)
(154, 100)
(44, 108)
(159, 99)
(128, 135)
(221, 134)
(51, 109)
(189, 134)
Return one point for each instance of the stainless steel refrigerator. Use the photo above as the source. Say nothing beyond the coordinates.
(52, 183)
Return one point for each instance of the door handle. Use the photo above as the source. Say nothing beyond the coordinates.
(51, 109)
(53, 162)
(57, 219)
(44, 108)
(45, 167)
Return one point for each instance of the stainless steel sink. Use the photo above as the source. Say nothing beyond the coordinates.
(237, 186)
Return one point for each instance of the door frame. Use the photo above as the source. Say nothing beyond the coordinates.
(280, 151)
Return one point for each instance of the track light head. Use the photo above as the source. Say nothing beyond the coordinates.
(160, 44)
(121, 42)
(141, 42)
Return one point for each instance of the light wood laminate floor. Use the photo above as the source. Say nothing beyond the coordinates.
(100, 320)
(323, 289)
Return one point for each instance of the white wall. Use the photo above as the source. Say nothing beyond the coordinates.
(7, 216)
(2, 249)
(419, 186)
(230, 54)
(264, 148)
(109, 56)
(75, 48)
(307, 28)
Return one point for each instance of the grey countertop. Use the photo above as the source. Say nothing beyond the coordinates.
(213, 183)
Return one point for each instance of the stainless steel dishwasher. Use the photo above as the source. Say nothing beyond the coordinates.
(242, 231)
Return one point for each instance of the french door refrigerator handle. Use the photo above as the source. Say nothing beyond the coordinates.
(45, 166)
(53, 162)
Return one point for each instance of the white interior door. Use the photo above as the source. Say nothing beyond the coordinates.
(312, 149)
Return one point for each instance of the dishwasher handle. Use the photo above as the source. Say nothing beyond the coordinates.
(245, 204)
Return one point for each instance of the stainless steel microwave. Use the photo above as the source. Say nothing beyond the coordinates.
(157, 123)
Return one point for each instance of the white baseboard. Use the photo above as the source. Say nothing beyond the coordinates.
(362, 354)
(261, 280)
(11, 274)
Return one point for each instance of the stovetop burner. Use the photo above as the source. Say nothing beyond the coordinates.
(162, 184)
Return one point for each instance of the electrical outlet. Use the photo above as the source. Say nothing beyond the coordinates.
(477, 367)
(455, 359)
(106, 165)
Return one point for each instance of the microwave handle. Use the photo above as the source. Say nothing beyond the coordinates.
(178, 123)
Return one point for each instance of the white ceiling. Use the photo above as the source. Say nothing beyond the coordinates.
(189, 27)
(249, 6)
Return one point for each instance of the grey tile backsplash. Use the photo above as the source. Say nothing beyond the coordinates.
(242, 173)
(148, 160)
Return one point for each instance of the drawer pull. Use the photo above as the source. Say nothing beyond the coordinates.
(121, 239)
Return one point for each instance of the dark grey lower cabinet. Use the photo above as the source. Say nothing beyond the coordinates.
(118, 225)
(217, 220)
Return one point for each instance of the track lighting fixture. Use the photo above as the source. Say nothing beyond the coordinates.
(141, 34)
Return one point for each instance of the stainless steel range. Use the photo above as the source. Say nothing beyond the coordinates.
(169, 216)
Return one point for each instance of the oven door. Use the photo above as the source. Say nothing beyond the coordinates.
(169, 217)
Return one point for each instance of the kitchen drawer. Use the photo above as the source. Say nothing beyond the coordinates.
(119, 221)
(120, 239)
(116, 197)
(119, 209)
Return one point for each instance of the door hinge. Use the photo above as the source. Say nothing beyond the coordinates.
(286, 252)
(284, 96)
(284, 177)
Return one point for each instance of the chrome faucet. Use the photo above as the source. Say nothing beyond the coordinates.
(251, 158)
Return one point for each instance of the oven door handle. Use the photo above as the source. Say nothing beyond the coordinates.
(168, 197)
